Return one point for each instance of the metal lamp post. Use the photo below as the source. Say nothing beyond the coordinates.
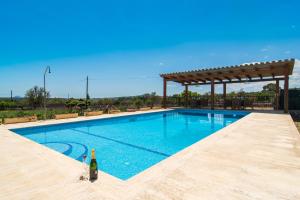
(47, 70)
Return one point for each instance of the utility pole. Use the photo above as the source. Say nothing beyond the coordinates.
(47, 70)
(87, 92)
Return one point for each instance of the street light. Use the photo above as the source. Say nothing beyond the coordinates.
(47, 70)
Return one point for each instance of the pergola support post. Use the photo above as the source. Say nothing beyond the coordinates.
(186, 97)
(212, 94)
(277, 95)
(257, 72)
(286, 93)
(165, 94)
(224, 95)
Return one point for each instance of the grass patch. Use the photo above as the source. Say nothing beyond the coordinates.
(296, 117)
(39, 113)
(298, 126)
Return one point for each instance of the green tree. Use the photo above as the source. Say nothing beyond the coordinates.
(71, 103)
(107, 101)
(81, 104)
(35, 96)
(138, 103)
(87, 101)
(56, 101)
(3, 105)
(271, 87)
(190, 94)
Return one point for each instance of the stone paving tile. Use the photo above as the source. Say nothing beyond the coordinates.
(257, 157)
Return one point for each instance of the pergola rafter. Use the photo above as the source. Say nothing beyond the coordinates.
(254, 72)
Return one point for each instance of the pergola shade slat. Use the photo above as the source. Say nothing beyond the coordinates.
(268, 69)
(252, 72)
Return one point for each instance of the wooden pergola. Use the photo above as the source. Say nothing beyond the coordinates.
(253, 72)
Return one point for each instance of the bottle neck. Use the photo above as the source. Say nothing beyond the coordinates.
(93, 155)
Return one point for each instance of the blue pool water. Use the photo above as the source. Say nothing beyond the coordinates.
(128, 145)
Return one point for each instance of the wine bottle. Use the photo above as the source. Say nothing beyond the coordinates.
(93, 167)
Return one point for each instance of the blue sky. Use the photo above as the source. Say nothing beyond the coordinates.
(124, 45)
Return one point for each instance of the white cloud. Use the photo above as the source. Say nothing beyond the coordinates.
(264, 49)
(295, 78)
(249, 63)
(294, 81)
(161, 64)
(287, 52)
(173, 85)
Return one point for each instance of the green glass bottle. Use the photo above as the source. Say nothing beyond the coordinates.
(93, 167)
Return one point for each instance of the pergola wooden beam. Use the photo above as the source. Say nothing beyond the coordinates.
(226, 77)
(212, 94)
(254, 72)
(286, 93)
(165, 94)
(237, 77)
(186, 95)
(277, 95)
(242, 81)
(219, 79)
(203, 81)
(224, 95)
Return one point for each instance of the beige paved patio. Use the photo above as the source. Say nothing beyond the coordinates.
(258, 157)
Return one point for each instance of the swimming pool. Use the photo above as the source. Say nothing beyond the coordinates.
(127, 145)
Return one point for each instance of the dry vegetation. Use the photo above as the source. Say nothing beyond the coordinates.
(296, 118)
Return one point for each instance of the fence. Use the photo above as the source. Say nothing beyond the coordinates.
(294, 99)
(231, 102)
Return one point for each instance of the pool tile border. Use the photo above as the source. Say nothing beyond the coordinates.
(168, 178)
